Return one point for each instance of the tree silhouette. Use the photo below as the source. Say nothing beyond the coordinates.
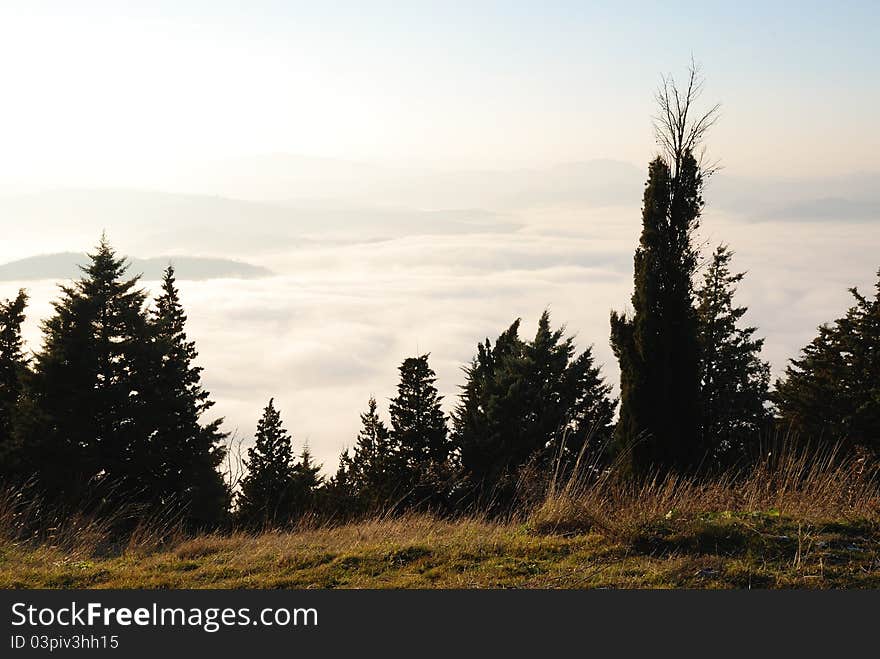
(185, 455)
(832, 391)
(528, 399)
(658, 346)
(376, 466)
(338, 496)
(13, 369)
(267, 495)
(418, 429)
(734, 380)
(306, 480)
(90, 419)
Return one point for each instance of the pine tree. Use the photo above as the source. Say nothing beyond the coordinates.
(90, 419)
(185, 454)
(658, 346)
(529, 400)
(832, 391)
(13, 368)
(266, 496)
(419, 430)
(734, 381)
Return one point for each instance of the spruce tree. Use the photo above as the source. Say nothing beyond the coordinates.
(90, 421)
(658, 345)
(185, 453)
(266, 495)
(529, 400)
(13, 369)
(832, 391)
(418, 428)
(734, 380)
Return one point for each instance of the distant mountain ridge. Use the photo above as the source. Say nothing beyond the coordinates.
(157, 222)
(65, 265)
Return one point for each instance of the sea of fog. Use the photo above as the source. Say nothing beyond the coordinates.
(354, 289)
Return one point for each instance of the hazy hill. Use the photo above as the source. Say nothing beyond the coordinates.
(598, 182)
(66, 266)
(160, 221)
(285, 177)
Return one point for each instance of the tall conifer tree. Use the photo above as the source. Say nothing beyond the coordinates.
(658, 346)
(185, 453)
(90, 423)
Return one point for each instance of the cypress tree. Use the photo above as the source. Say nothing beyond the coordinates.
(418, 429)
(734, 380)
(13, 368)
(185, 454)
(832, 391)
(266, 495)
(657, 347)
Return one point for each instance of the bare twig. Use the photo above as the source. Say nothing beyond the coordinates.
(678, 129)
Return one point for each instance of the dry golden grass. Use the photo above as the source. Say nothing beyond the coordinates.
(807, 486)
(804, 521)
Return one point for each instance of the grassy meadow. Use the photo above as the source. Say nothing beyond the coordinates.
(800, 522)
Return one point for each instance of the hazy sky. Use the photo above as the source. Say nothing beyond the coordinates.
(96, 92)
(418, 175)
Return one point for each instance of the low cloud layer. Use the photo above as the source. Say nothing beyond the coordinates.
(343, 309)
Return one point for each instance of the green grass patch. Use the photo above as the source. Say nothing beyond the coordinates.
(762, 549)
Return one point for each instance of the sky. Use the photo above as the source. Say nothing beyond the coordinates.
(416, 175)
(96, 91)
